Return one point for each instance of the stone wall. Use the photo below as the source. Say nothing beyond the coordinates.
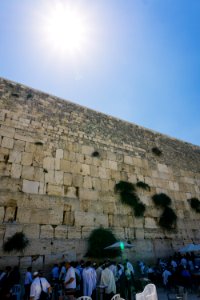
(59, 163)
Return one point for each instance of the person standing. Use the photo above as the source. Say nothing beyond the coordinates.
(89, 279)
(39, 283)
(27, 283)
(70, 281)
(108, 280)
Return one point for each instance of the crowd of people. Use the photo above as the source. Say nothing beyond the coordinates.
(73, 279)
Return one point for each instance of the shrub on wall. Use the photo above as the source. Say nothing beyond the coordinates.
(129, 197)
(143, 185)
(168, 218)
(18, 242)
(195, 204)
(161, 200)
(98, 240)
(156, 151)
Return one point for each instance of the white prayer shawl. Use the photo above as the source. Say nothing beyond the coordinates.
(107, 279)
(89, 281)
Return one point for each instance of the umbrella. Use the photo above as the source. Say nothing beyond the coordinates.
(120, 246)
(190, 248)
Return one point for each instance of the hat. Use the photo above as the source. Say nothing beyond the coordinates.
(35, 274)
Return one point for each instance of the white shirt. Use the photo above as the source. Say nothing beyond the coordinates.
(107, 278)
(36, 287)
(70, 274)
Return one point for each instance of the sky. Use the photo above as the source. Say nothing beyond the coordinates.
(137, 60)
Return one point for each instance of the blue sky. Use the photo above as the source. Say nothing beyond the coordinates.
(139, 60)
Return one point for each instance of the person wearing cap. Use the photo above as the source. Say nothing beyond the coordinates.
(39, 284)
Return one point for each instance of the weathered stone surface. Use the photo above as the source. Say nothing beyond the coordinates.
(55, 190)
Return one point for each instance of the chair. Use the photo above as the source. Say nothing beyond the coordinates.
(116, 297)
(149, 293)
(16, 291)
(84, 298)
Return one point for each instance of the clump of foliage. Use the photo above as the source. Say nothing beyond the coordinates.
(168, 218)
(143, 185)
(156, 151)
(195, 204)
(29, 95)
(129, 197)
(95, 154)
(161, 200)
(17, 242)
(98, 240)
(124, 186)
(38, 143)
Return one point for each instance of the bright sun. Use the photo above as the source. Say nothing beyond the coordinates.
(65, 28)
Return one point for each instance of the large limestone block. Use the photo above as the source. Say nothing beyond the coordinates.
(85, 169)
(86, 231)
(2, 212)
(150, 223)
(30, 187)
(163, 168)
(71, 191)
(104, 173)
(49, 163)
(7, 131)
(59, 177)
(120, 220)
(7, 143)
(27, 158)
(61, 232)
(28, 172)
(30, 147)
(56, 190)
(90, 219)
(65, 165)
(88, 194)
(128, 159)
(10, 214)
(46, 231)
(139, 233)
(77, 180)
(68, 218)
(55, 215)
(32, 231)
(59, 153)
(19, 145)
(67, 179)
(87, 182)
(16, 171)
(33, 216)
(74, 233)
(15, 157)
(87, 149)
(11, 229)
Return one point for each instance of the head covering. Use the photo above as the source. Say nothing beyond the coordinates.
(35, 274)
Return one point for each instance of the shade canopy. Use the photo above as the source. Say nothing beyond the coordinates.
(190, 248)
(120, 245)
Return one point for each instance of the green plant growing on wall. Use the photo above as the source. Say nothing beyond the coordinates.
(98, 240)
(95, 154)
(143, 185)
(161, 200)
(195, 204)
(18, 242)
(156, 151)
(168, 217)
(129, 197)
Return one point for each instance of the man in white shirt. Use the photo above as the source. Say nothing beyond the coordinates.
(39, 284)
(108, 280)
(70, 281)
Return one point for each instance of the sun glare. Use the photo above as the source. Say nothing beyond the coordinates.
(65, 28)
